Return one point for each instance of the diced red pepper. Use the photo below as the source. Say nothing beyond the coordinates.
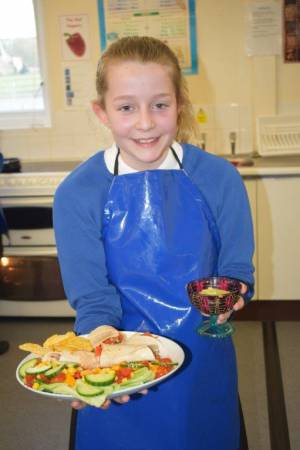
(59, 378)
(98, 350)
(165, 360)
(77, 374)
(145, 363)
(43, 378)
(124, 372)
(162, 370)
(114, 340)
(29, 380)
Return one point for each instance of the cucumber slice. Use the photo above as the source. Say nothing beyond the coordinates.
(87, 390)
(38, 369)
(54, 371)
(27, 365)
(140, 377)
(142, 373)
(53, 388)
(100, 379)
(72, 365)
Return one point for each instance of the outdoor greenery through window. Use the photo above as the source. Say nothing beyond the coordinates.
(22, 84)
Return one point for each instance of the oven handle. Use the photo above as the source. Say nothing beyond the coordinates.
(27, 201)
(29, 251)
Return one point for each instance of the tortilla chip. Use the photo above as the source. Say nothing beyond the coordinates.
(59, 343)
(33, 348)
(57, 339)
(74, 343)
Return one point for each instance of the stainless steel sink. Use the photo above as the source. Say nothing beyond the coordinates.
(240, 160)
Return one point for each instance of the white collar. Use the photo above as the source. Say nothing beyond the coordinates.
(169, 163)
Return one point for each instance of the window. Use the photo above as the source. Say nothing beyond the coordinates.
(23, 87)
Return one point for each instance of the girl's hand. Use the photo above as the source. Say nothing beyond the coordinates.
(77, 404)
(239, 305)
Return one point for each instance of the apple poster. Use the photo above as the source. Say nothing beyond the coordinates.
(74, 37)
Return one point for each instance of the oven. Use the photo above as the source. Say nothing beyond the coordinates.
(30, 279)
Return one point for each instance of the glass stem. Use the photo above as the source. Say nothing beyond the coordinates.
(213, 320)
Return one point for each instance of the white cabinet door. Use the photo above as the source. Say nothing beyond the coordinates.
(251, 186)
(278, 238)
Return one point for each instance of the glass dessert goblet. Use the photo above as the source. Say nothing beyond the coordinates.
(213, 296)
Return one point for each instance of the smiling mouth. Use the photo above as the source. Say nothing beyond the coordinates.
(147, 141)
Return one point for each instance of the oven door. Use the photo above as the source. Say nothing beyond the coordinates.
(29, 221)
(31, 284)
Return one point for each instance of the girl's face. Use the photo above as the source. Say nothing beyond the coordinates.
(141, 111)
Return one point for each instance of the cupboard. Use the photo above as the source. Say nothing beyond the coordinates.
(275, 205)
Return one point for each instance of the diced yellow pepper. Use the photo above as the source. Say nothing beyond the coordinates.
(70, 380)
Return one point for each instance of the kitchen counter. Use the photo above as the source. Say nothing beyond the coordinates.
(260, 166)
(271, 166)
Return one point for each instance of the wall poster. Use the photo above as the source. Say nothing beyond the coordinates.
(75, 37)
(172, 21)
(291, 30)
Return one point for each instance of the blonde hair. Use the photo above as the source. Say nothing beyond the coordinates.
(147, 49)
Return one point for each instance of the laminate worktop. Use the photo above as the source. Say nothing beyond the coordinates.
(272, 166)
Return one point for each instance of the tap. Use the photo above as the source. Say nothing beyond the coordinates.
(232, 140)
(203, 141)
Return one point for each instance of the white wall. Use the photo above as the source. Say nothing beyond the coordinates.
(232, 88)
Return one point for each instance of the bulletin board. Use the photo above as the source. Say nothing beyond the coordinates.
(291, 20)
(172, 21)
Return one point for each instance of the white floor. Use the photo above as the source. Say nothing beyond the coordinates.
(252, 386)
(288, 334)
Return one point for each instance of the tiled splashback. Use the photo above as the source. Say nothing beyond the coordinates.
(78, 134)
(73, 135)
(218, 122)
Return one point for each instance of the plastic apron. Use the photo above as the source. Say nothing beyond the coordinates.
(159, 234)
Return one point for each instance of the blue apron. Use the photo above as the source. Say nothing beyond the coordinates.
(158, 235)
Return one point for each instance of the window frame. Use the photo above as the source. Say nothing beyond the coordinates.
(33, 119)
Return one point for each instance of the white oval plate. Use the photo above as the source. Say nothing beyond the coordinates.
(170, 350)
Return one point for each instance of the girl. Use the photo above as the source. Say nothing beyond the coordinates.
(134, 225)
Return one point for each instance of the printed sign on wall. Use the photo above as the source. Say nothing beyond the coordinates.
(75, 37)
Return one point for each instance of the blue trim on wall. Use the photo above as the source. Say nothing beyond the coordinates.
(193, 39)
(102, 24)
